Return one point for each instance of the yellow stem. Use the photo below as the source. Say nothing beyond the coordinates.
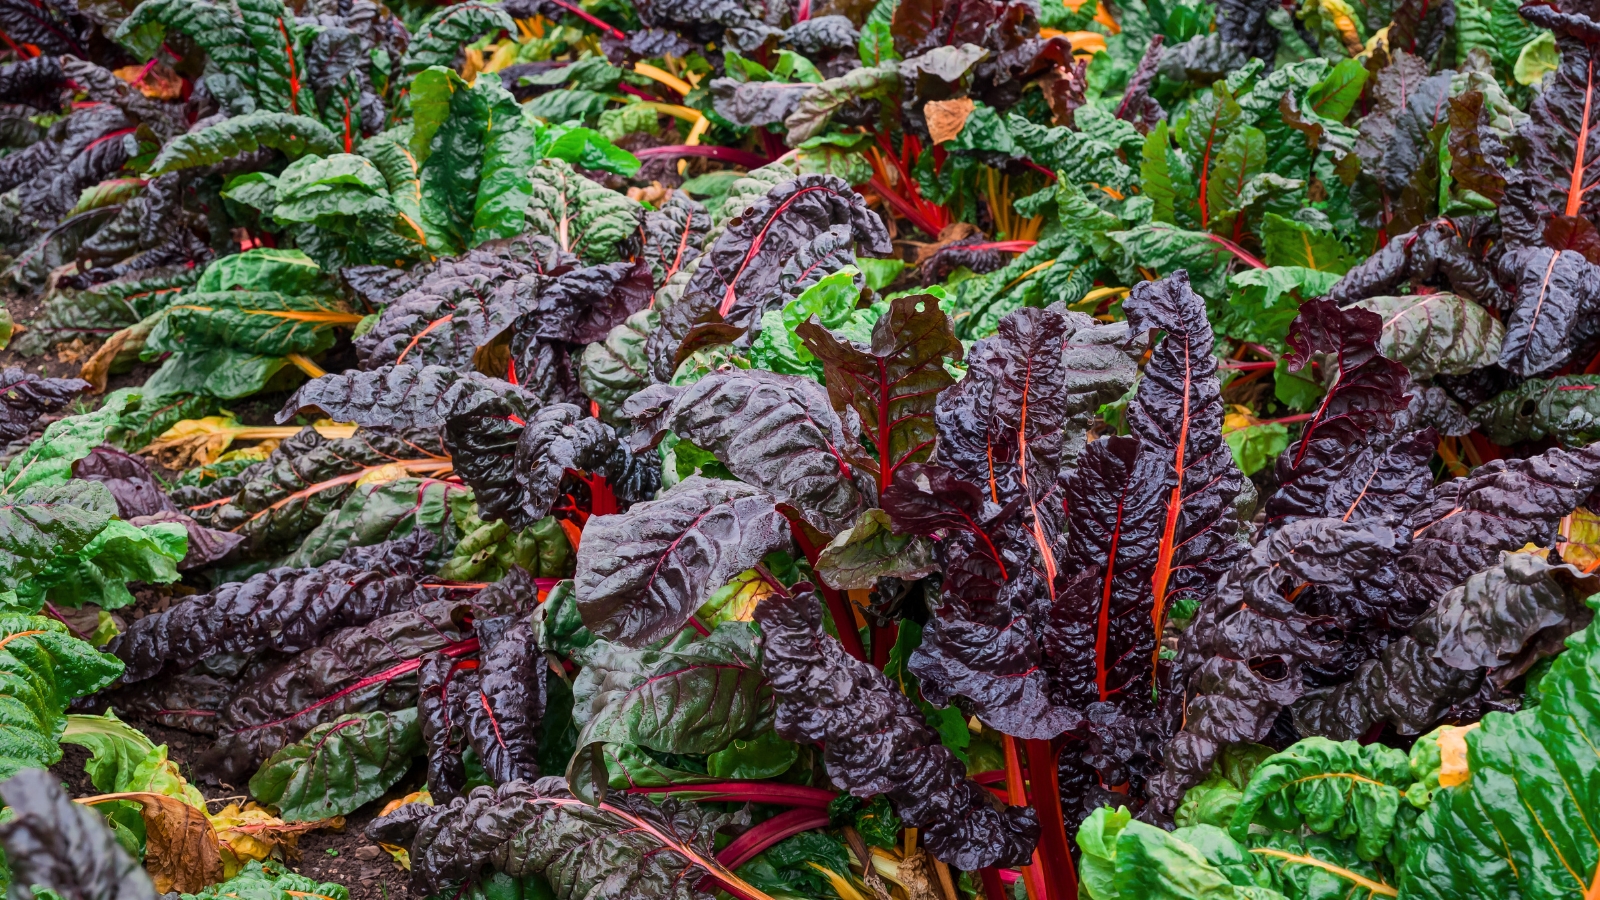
(1028, 274)
(305, 365)
(701, 125)
(677, 111)
(1376, 887)
(666, 78)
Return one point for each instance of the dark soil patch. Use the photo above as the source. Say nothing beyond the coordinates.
(345, 856)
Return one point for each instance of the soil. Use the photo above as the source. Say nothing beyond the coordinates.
(343, 856)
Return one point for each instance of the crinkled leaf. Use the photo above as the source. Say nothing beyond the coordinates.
(643, 573)
(293, 135)
(338, 766)
(1433, 334)
(777, 433)
(63, 847)
(875, 741)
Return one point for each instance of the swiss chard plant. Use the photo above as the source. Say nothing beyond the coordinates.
(892, 450)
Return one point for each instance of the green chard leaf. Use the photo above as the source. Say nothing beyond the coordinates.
(339, 765)
(42, 669)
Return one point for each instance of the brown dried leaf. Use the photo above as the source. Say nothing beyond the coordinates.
(946, 118)
(98, 369)
(181, 850)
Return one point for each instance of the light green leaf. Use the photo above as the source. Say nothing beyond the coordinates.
(1255, 447)
(592, 150)
(47, 462)
(440, 37)
(42, 669)
(223, 373)
(1334, 96)
(1291, 243)
(764, 756)
(1537, 58)
(121, 758)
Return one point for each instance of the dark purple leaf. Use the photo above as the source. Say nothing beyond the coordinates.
(24, 398)
(737, 278)
(778, 433)
(875, 741)
(442, 726)
(893, 385)
(675, 235)
(502, 717)
(356, 669)
(1478, 158)
(1555, 174)
(396, 397)
(287, 610)
(128, 478)
(1367, 391)
(643, 573)
(1137, 105)
(558, 439)
(1555, 308)
(53, 844)
(1178, 413)
(623, 847)
(1503, 505)
(1099, 633)
(1240, 661)
(1437, 253)
(752, 103)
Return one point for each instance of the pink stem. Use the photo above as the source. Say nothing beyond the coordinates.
(1038, 168)
(1245, 256)
(630, 89)
(1003, 246)
(602, 25)
(780, 827)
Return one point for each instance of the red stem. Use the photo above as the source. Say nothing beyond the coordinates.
(993, 887)
(460, 648)
(795, 795)
(905, 208)
(780, 827)
(843, 618)
(1017, 795)
(1054, 851)
(883, 638)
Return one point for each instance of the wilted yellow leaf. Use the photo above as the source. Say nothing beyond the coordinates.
(252, 833)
